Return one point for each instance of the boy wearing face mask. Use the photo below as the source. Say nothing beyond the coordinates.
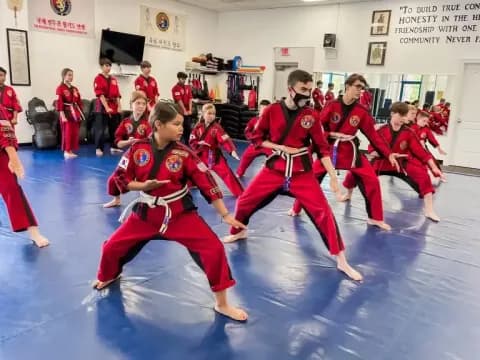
(287, 128)
(342, 119)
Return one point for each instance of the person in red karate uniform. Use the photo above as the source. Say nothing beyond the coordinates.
(69, 105)
(437, 122)
(366, 99)
(159, 168)
(147, 83)
(182, 95)
(413, 158)
(252, 151)
(8, 100)
(107, 107)
(329, 95)
(287, 128)
(342, 119)
(131, 129)
(207, 139)
(318, 97)
(11, 169)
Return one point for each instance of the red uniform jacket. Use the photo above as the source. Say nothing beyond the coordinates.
(177, 163)
(215, 136)
(149, 86)
(250, 127)
(9, 102)
(184, 93)
(425, 134)
(404, 141)
(130, 128)
(70, 102)
(329, 97)
(318, 99)
(366, 99)
(306, 126)
(107, 87)
(7, 133)
(359, 118)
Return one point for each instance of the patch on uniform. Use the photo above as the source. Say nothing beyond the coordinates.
(336, 117)
(141, 157)
(176, 93)
(202, 167)
(75, 92)
(215, 190)
(354, 120)
(114, 82)
(123, 163)
(403, 145)
(423, 136)
(174, 163)
(66, 92)
(225, 136)
(9, 93)
(129, 128)
(307, 121)
(141, 129)
(182, 153)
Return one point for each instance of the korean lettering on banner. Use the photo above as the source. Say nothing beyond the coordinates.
(162, 29)
(69, 17)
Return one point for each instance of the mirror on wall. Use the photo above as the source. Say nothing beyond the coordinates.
(432, 92)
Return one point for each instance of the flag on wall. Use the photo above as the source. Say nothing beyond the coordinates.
(162, 29)
(68, 17)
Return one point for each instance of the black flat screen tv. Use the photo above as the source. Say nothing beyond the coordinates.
(122, 48)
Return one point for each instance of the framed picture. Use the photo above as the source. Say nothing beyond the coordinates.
(18, 58)
(376, 53)
(380, 22)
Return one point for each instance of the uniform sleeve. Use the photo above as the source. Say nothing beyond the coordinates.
(138, 84)
(249, 128)
(125, 171)
(121, 133)
(148, 130)
(262, 128)
(176, 94)
(431, 138)
(318, 137)
(156, 92)
(199, 174)
(60, 106)
(15, 103)
(194, 138)
(325, 116)
(79, 100)
(368, 129)
(7, 137)
(100, 86)
(418, 150)
(224, 140)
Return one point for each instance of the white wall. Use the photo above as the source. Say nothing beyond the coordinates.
(49, 53)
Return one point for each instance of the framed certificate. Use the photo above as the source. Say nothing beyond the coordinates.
(18, 58)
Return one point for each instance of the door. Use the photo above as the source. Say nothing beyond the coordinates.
(282, 70)
(467, 134)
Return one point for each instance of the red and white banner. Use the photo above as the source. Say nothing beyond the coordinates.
(68, 17)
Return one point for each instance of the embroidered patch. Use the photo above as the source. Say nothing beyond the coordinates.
(215, 190)
(202, 167)
(114, 82)
(141, 130)
(225, 137)
(174, 163)
(423, 136)
(336, 117)
(9, 93)
(66, 92)
(141, 157)
(180, 152)
(403, 145)
(123, 163)
(354, 120)
(129, 128)
(307, 121)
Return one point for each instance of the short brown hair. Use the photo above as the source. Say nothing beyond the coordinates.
(355, 77)
(138, 95)
(105, 61)
(164, 111)
(65, 72)
(422, 113)
(399, 108)
(297, 76)
(145, 64)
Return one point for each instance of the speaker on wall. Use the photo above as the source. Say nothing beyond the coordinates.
(329, 41)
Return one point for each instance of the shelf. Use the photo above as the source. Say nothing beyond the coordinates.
(216, 72)
(123, 74)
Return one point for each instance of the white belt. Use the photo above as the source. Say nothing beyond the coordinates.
(289, 159)
(335, 150)
(154, 201)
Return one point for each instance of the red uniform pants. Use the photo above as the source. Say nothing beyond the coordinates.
(368, 183)
(222, 169)
(186, 228)
(70, 135)
(251, 152)
(112, 187)
(19, 210)
(303, 186)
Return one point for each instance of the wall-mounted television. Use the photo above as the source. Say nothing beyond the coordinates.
(122, 48)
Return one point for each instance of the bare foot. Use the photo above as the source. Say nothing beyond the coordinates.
(432, 216)
(232, 312)
(99, 152)
(99, 285)
(238, 236)
(39, 240)
(350, 272)
(443, 178)
(113, 203)
(292, 213)
(381, 224)
(344, 197)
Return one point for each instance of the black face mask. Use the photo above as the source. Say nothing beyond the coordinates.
(301, 100)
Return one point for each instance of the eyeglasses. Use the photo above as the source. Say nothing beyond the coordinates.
(359, 86)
